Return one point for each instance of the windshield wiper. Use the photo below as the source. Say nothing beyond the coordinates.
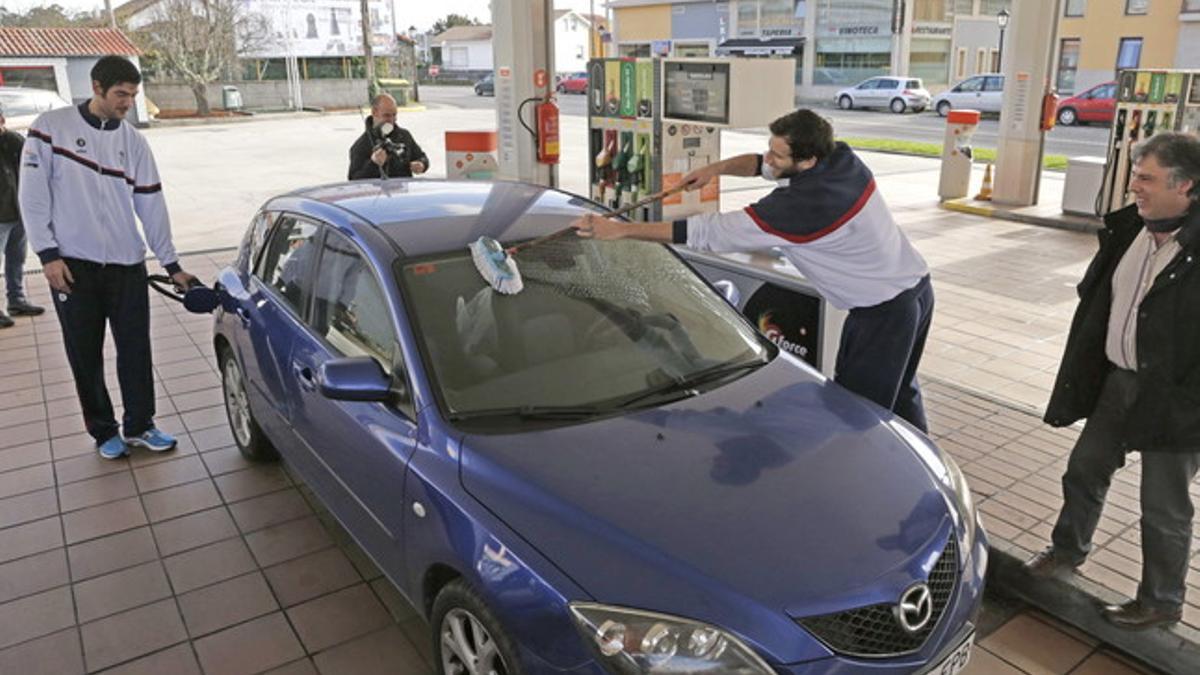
(535, 412)
(687, 385)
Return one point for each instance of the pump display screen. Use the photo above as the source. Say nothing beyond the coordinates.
(696, 91)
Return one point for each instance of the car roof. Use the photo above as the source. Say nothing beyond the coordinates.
(423, 217)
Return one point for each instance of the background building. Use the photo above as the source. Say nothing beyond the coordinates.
(1098, 37)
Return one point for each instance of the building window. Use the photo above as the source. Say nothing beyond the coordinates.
(692, 49)
(1130, 53)
(930, 10)
(1191, 6)
(1068, 63)
(1074, 7)
(34, 77)
(991, 8)
(930, 60)
(458, 57)
(981, 61)
(964, 7)
(640, 50)
(579, 51)
(747, 18)
(1136, 6)
(994, 59)
(960, 63)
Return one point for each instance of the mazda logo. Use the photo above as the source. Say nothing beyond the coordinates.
(915, 608)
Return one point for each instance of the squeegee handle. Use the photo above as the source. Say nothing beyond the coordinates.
(619, 212)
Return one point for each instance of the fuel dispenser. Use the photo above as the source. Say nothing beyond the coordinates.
(1148, 101)
(955, 179)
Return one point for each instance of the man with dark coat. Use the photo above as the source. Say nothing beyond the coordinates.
(386, 150)
(13, 243)
(1132, 368)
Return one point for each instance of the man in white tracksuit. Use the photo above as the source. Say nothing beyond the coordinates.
(85, 176)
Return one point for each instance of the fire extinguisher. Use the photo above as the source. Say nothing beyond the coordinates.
(546, 114)
(1049, 111)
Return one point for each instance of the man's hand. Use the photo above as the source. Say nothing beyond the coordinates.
(594, 226)
(417, 167)
(183, 280)
(59, 275)
(379, 156)
(700, 177)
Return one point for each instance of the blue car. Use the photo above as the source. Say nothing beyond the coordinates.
(611, 471)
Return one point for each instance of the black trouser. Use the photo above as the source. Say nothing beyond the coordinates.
(116, 295)
(1166, 505)
(881, 349)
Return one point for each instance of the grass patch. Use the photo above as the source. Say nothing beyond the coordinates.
(982, 155)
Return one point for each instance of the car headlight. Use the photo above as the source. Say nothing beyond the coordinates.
(946, 470)
(631, 641)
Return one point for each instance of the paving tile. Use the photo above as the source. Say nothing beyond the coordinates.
(224, 460)
(70, 438)
(250, 647)
(194, 530)
(86, 466)
(169, 473)
(302, 667)
(105, 519)
(55, 654)
(22, 414)
(212, 608)
(269, 509)
(1035, 647)
(338, 617)
(33, 574)
(209, 564)
(22, 540)
(35, 615)
(307, 577)
(210, 439)
(95, 491)
(205, 418)
(118, 591)
(131, 634)
(251, 482)
(21, 456)
(27, 507)
(181, 500)
(177, 660)
(289, 540)
(21, 434)
(383, 652)
(111, 553)
(29, 479)
(397, 606)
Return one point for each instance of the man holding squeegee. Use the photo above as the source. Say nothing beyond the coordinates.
(832, 224)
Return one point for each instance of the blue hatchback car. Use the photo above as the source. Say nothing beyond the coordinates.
(609, 472)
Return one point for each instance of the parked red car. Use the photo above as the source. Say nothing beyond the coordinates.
(575, 83)
(1098, 104)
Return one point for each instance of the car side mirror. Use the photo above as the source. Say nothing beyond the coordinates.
(358, 378)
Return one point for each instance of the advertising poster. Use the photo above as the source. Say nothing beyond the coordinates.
(1141, 87)
(1158, 82)
(790, 319)
(1174, 88)
(1125, 92)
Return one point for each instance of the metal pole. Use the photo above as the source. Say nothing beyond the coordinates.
(1000, 52)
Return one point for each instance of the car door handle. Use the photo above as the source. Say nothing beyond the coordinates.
(304, 375)
(243, 314)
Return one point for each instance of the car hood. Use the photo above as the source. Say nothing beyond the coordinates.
(780, 490)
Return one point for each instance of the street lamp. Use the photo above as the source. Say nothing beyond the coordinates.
(1002, 22)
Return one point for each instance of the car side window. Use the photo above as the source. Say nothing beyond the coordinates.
(913, 84)
(887, 84)
(349, 309)
(869, 84)
(255, 240)
(1107, 91)
(972, 85)
(993, 83)
(287, 262)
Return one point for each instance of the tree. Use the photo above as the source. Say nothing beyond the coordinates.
(199, 41)
(452, 20)
(46, 16)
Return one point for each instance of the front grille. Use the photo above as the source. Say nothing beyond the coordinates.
(874, 631)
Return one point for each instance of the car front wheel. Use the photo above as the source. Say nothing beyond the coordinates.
(943, 108)
(845, 102)
(249, 437)
(898, 105)
(467, 637)
(1067, 117)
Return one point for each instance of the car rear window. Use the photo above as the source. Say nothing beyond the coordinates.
(913, 84)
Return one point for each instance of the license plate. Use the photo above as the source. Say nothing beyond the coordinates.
(956, 661)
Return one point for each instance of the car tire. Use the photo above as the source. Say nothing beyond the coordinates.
(457, 603)
(1067, 117)
(898, 106)
(919, 110)
(943, 108)
(845, 102)
(478, 91)
(248, 436)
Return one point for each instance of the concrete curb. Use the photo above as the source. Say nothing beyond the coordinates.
(989, 210)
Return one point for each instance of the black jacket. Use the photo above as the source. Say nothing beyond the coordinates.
(1166, 413)
(361, 165)
(10, 169)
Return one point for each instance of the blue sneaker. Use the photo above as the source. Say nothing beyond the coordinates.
(153, 440)
(113, 448)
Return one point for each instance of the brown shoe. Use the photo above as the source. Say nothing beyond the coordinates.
(1133, 615)
(1048, 564)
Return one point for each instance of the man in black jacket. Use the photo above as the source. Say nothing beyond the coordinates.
(13, 244)
(1132, 368)
(385, 150)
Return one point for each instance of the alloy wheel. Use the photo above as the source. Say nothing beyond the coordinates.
(467, 647)
(236, 403)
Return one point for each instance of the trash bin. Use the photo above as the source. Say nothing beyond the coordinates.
(1081, 189)
(400, 89)
(231, 98)
(955, 180)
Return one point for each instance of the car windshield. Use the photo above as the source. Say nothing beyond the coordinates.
(599, 327)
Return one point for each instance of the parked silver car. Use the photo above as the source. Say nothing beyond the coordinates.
(984, 93)
(897, 93)
(21, 105)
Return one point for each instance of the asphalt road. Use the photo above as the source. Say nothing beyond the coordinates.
(925, 127)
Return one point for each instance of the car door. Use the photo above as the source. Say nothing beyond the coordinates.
(1100, 104)
(883, 92)
(863, 95)
(992, 97)
(361, 448)
(967, 94)
(276, 297)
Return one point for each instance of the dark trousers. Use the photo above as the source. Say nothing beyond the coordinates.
(115, 295)
(1166, 505)
(13, 247)
(881, 350)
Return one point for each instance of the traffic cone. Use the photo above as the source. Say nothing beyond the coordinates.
(985, 191)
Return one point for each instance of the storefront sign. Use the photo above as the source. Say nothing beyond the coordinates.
(933, 29)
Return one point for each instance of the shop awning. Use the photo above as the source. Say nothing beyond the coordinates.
(758, 47)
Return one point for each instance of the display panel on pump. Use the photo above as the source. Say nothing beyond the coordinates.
(696, 91)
